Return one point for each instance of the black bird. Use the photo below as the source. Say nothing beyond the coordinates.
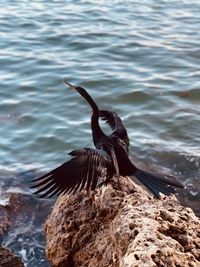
(110, 157)
(100, 139)
(155, 183)
(88, 167)
(116, 124)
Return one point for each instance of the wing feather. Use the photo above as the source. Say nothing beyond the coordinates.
(108, 117)
(116, 124)
(89, 178)
(81, 171)
(96, 174)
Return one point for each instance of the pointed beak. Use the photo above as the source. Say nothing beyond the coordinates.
(70, 85)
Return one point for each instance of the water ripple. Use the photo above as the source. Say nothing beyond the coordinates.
(140, 58)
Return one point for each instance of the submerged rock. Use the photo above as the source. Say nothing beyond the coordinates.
(8, 259)
(121, 227)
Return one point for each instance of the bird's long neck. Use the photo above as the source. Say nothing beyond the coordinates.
(97, 133)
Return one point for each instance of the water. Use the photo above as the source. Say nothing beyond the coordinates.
(140, 58)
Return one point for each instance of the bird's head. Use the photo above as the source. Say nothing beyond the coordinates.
(85, 95)
(79, 89)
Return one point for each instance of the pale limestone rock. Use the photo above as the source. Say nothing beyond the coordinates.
(122, 227)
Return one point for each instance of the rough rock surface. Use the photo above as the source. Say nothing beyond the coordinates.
(122, 227)
(8, 259)
(10, 205)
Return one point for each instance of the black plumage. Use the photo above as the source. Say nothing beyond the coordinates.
(84, 170)
(155, 183)
(89, 167)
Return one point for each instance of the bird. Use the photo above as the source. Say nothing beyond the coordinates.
(88, 167)
(156, 183)
(109, 158)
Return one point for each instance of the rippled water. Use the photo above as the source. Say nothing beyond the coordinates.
(140, 58)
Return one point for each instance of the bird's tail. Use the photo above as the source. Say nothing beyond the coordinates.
(158, 183)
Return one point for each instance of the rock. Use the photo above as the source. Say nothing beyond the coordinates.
(8, 259)
(10, 205)
(122, 227)
(4, 221)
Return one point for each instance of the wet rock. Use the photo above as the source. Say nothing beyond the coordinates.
(8, 259)
(4, 221)
(22, 219)
(10, 205)
(122, 227)
(4, 214)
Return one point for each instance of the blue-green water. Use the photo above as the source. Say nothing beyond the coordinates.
(140, 58)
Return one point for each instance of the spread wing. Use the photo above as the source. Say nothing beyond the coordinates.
(116, 124)
(83, 170)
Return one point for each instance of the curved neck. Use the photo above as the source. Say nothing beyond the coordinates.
(97, 133)
(90, 101)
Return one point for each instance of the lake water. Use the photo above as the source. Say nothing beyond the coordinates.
(139, 58)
